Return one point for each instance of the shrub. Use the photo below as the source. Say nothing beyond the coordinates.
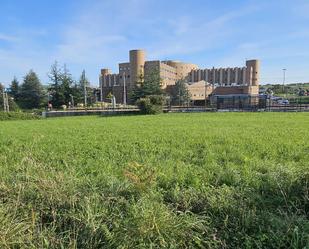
(151, 105)
(17, 116)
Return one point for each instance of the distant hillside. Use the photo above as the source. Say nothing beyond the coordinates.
(291, 85)
(293, 89)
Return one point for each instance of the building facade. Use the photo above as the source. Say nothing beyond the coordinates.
(218, 81)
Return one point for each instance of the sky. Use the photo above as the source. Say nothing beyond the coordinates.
(95, 34)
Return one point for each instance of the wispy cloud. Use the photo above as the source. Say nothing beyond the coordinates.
(195, 34)
(100, 33)
(93, 37)
(8, 38)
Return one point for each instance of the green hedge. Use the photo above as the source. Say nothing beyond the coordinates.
(151, 104)
(17, 116)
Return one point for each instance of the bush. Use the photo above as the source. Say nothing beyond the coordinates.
(151, 105)
(12, 104)
(17, 116)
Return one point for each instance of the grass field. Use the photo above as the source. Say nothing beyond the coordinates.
(215, 180)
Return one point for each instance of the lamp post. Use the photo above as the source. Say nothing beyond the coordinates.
(205, 94)
(6, 106)
(4, 102)
(284, 71)
(72, 99)
(124, 90)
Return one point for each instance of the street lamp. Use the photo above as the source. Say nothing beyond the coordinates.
(124, 90)
(284, 71)
(205, 94)
(72, 99)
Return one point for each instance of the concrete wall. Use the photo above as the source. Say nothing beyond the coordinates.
(221, 76)
(253, 72)
(182, 69)
(200, 90)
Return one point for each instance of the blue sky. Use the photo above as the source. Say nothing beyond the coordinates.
(91, 34)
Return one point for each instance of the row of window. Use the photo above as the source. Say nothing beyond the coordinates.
(168, 71)
(167, 78)
(124, 68)
(127, 76)
(198, 95)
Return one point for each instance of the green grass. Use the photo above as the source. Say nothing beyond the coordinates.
(215, 180)
(4, 116)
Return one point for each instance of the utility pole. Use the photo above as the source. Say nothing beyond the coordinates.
(72, 99)
(101, 89)
(7, 103)
(205, 94)
(124, 89)
(85, 94)
(179, 101)
(284, 70)
(6, 106)
(103, 84)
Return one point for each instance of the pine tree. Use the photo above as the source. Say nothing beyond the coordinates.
(149, 86)
(55, 76)
(31, 91)
(84, 85)
(181, 95)
(67, 82)
(152, 84)
(14, 89)
(1, 97)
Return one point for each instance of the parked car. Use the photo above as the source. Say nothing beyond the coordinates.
(283, 102)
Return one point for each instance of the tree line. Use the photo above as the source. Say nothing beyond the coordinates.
(62, 90)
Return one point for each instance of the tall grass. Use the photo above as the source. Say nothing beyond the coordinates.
(170, 181)
(4, 116)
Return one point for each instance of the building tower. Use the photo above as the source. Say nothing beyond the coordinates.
(253, 72)
(105, 72)
(137, 62)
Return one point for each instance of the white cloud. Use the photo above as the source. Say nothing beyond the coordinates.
(195, 34)
(97, 35)
(8, 38)
(100, 33)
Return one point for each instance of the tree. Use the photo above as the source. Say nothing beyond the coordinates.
(180, 93)
(148, 94)
(150, 86)
(12, 96)
(269, 91)
(55, 76)
(1, 97)
(84, 85)
(14, 89)
(77, 93)
(301, 92)
(31, 91)
(66, 85)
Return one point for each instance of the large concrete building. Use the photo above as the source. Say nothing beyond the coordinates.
(217, 81)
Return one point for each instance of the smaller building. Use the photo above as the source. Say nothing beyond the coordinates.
(200, 92)
(235, 101)
(235, 97)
